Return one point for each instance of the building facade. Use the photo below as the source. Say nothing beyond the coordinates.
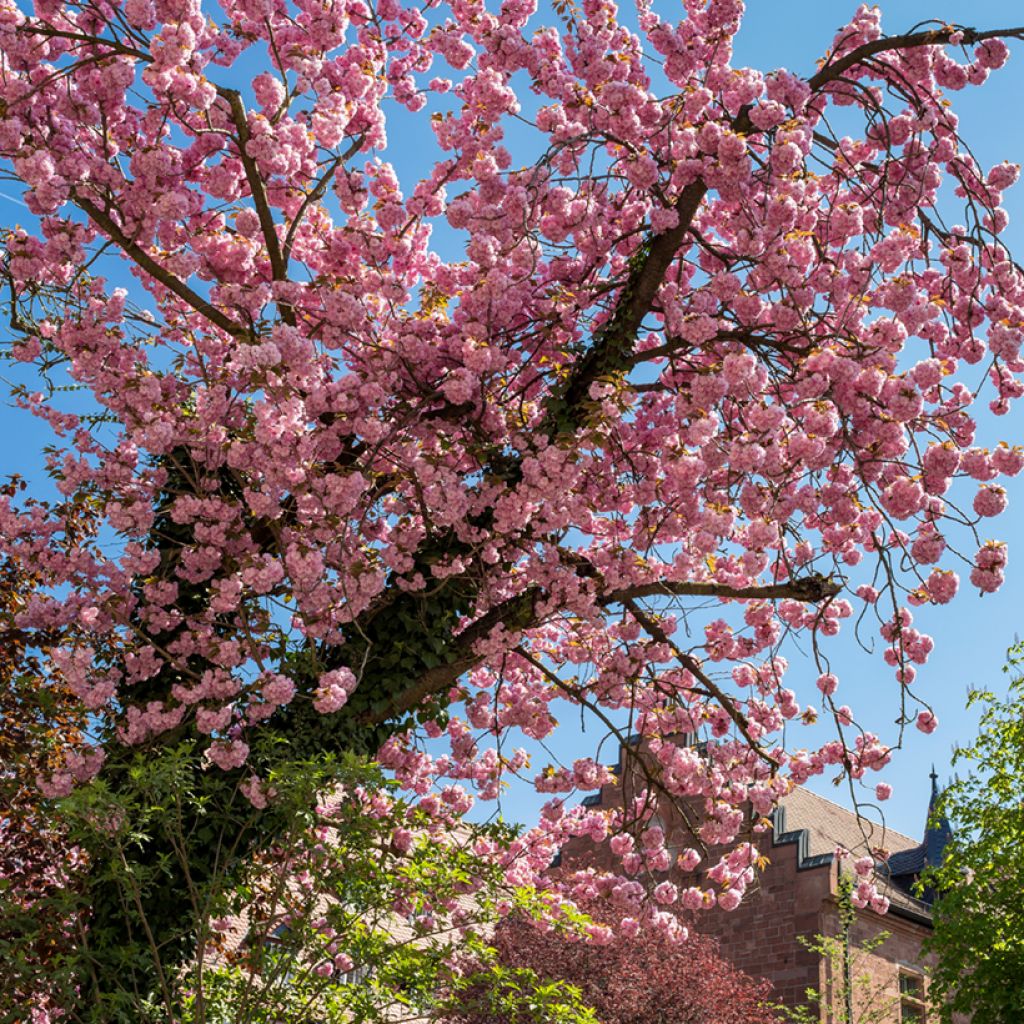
(881, 972)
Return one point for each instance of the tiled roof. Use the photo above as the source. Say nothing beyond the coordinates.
(829, 825)
(818, 826)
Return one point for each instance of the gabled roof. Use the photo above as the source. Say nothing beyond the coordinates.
(818, 826)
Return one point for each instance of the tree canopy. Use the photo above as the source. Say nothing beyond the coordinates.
(979, 914)
(649, 341)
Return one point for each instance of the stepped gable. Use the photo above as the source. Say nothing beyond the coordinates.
(817, 826)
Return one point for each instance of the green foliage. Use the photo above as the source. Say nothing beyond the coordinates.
(335, 920)
(516, 995)
(871, 1003)
(852, 995)
(979, 916)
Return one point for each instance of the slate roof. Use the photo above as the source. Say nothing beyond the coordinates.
(908, 862)
(906, 867)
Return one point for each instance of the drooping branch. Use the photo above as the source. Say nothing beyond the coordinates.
(654, 629)
(639, 762)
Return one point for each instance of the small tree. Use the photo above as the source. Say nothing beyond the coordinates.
(979, 916)
(631, 978)
(852, 996)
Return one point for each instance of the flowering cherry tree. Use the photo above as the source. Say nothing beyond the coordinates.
(711, 338)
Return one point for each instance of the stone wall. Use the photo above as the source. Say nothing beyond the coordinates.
(792, 899)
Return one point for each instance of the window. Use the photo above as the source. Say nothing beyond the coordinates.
(912, 1005)
(356, 976)
(911, 985)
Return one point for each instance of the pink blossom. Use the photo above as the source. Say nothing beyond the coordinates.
(864, 866)
(256, 792)
(689, 859)
(992, 53)
(402, 840)
(228, 754)
(942, 585)
(666, 892)
(990, 500)
(730, 899)
(827, 683)
(334, 690)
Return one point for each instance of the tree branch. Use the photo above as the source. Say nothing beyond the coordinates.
(155, 270)
(809, 589)
(317, 192)
(613, 345)
(748, 338)
(278, 266)
(518, 612)
(936, 37)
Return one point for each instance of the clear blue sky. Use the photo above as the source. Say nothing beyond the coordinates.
(972, 635)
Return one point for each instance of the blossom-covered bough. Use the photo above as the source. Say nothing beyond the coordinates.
(719, 340)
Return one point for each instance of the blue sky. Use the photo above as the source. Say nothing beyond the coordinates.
(971, 635)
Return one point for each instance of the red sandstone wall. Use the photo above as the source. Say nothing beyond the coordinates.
(881, 967)
(762, 935)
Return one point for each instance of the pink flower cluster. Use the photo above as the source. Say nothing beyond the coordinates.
(334, 690)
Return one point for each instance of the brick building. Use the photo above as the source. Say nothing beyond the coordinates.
(796, 896)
